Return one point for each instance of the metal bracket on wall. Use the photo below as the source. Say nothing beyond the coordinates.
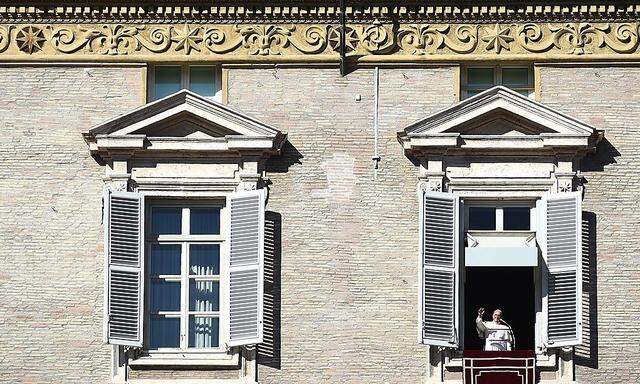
(343, 39)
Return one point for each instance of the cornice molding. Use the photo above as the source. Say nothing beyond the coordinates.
(374, 42)
(146, 11)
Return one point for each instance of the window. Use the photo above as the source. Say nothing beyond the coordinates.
(184, 244)
(480, 78)
(499, 217)
(201, 79)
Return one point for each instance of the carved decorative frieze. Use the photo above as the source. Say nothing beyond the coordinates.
(282, 42)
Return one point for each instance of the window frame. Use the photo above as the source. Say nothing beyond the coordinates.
(185, 240)
(497, 78)
(185, 79)
(499, 207)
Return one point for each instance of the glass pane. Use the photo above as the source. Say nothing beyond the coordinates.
(166, 220)
(204, 259)
(165, 259)
(204, 296)
(517, 218)
(205, 221)
(482, 218)
(203, 332)
(167, 81)
(480, 77)
(515, 77)
(165, 332)
(472, 93)
(165, 295)
(202, 81)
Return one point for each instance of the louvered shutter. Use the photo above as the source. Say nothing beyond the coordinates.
(124, 268)
(439, 246)
(246, 264)
(562, 252)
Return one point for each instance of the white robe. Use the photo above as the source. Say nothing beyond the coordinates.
(497, 337)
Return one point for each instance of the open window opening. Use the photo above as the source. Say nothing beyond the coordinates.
(501, 259)
(510, 289)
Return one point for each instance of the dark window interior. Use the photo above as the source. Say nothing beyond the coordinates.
(510, 289)
(482, 218)
(516, 218)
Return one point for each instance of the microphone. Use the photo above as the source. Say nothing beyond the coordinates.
(513, 336)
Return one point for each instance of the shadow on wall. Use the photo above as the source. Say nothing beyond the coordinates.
(586, 354)
(289, 156)
(605, 154)
(269, 350)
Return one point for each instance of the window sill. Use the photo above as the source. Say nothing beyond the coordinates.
(542, 360)
(188, 381)
(185, 359)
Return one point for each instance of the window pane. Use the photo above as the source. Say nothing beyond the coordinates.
(203, 332)
(515, 77)
(166, 220)
(204, 296)
(204, 259)
(165, 295)
(202, 81)
(480, 77)
(482, 218)
(167, 81)
(165, 332)
(205, 221)
(165, 259)
(517, 218)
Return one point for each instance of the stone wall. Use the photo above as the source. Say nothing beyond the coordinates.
(348, 292)
(607, 97)
(51, 253)
(342, 302)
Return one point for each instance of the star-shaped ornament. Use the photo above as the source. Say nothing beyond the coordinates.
(30, 39)
(187, 39)
(498, 38)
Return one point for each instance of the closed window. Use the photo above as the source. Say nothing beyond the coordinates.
(184, 245)
(499, 217)
(476, 79)
(201, 79)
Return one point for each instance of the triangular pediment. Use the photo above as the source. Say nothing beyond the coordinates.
(155, 118)
(184, 121)
(185, 124)
(497, 123)
(497, 115)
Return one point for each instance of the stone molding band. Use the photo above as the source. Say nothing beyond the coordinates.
(375, 41)
(202, 11)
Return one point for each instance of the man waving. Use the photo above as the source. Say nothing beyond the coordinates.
(497, 336)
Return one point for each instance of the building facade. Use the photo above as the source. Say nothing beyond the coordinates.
(316, 193)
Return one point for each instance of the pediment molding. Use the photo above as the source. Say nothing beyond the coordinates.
(498, 119)
(187, 123)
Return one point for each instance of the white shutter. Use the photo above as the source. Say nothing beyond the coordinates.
(562, 252)
(439, 253)
(246, 264)
(124, 267)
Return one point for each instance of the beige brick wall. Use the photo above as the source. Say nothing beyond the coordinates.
(50, 207)
(607, 97)
(349, 287)
(348, 267)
